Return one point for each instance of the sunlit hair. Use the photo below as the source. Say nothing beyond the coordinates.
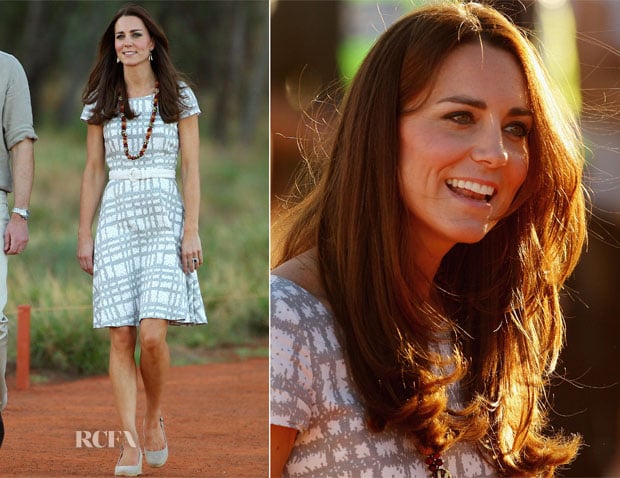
(106, 82)
(500, 296)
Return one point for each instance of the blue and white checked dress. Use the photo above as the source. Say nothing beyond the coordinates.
(137, 270)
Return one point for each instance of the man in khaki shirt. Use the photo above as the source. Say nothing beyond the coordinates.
(16, 175)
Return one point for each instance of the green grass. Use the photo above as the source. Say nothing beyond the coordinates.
(234, 233)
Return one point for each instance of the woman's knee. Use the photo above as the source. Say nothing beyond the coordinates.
(122, 338)
(153, 334)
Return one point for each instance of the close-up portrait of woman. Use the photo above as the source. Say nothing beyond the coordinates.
(420, 259)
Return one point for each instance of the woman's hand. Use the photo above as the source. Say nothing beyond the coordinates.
(93, 182)
(191, 252)
(85, 253)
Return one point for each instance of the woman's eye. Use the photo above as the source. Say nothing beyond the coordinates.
(461, 117)
(517, 129)
(137, 35)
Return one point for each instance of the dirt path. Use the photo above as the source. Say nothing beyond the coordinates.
(216, 421)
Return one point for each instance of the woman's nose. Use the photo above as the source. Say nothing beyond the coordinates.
(490, 148)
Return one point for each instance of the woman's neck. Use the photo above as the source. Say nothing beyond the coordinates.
(425, 263)
(139, 81)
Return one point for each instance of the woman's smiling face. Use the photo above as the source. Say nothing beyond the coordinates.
(132, 41)
(464, 148)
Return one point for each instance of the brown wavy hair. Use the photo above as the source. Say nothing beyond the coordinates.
(498, 298)
(106, 82)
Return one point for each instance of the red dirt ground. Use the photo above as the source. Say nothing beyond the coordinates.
(216, 421)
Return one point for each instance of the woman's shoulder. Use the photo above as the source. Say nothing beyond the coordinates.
(299, 314)
(8, 61)
(297, 294)
(185, 90)
(188, 100)
(293, 296)
(303, 272)
(87, 111)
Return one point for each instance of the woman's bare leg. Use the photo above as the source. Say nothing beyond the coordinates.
(123, 375)
(154, 366)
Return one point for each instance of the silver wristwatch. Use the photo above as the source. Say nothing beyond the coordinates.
(24, 213)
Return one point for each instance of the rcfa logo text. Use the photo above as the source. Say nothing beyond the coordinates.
(102, 438)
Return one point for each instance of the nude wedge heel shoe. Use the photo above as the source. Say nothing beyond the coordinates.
(158, 458)
(128, 470)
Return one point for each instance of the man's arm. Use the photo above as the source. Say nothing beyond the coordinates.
(16, 235)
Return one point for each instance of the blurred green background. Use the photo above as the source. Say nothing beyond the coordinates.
(222, 47)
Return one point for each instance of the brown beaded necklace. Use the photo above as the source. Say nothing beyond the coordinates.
(435, 466)
(149, 131)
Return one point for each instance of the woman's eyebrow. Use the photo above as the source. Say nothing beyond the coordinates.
(465, 100)
(480, 104)
(130, 31)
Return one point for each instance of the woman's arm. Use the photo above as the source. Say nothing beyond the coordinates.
(282, 440)
(190, 178)
(93, 183)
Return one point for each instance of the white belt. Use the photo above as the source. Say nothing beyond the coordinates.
(135, 174)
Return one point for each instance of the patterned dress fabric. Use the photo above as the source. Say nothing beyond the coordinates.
(137, 269)
(311, 391)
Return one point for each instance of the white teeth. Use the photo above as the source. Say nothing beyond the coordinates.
(477, 188)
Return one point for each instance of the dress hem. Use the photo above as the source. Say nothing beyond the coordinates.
(174, 322)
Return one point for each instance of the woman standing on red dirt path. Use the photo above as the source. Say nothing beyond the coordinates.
(144, 257)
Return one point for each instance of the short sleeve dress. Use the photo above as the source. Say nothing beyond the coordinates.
(137, 265)
(312, 392)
